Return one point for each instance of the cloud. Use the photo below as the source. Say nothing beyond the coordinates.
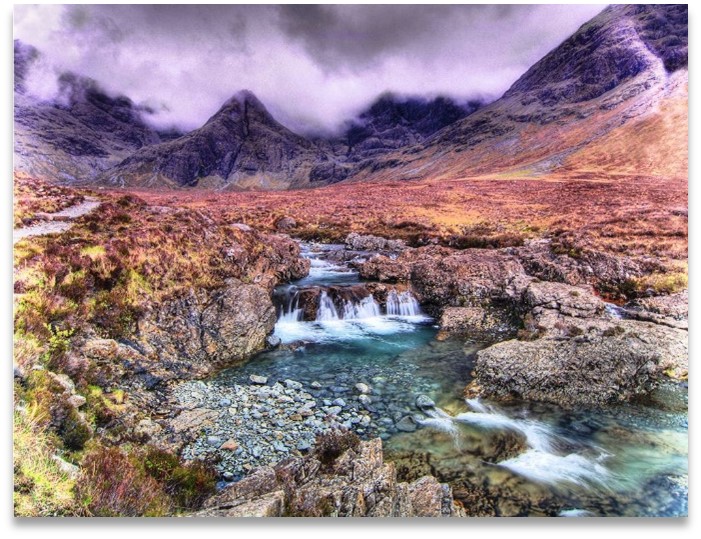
(313, 65)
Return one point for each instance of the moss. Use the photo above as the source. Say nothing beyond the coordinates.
(75, 431)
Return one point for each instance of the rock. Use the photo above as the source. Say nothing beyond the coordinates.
(200, 330)
(292, 384)
(191, 421)
(365, 400)
(214, 441)
(260, 380)
(339, 402)
(285, 223)
(481, 324)
(577, 301)
(334, 410)
(230, 445)
(406, 424)
(273, 341)
(315, 385)
(71, 470)
(674, 306)
(424, 402)
(355, 482)
(358, 242)
(225, 403)
(146, 429)
(363, 389)
(76, 401)
(614, 364)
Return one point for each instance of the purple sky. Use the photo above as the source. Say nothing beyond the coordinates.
(313, 66)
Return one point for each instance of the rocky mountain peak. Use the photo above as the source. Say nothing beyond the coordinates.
(614, 47)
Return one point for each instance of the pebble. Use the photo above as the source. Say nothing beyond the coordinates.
(292, 384)
(315, 385)
(339, 402)
(363, 389)
(365, 400)
(333, 410)
(225, 403)
(214, 440)
(255, 379)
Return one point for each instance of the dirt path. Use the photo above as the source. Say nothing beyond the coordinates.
(54, 223)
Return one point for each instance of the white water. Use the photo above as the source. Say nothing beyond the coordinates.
(365, 308)
(327, 310)
(402, 304)
(542, 462)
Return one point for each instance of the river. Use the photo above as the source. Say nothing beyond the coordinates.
(518, 459)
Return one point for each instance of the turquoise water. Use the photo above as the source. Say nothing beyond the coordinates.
(516, 459)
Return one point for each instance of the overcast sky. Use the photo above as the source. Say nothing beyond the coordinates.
(312, 66)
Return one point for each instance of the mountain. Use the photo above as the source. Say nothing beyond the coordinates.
(622, 67)
(77, 134)
(610, 99)
(241, 146)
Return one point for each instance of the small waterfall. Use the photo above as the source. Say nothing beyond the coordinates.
(327, 310)
(402, 304)
(365, 308)
(290, 311)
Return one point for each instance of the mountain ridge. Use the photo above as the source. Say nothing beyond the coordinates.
(617, 67)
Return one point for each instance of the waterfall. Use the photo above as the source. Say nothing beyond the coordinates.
(365, 308)
(402, 304)
(327, 310)
(290, 311)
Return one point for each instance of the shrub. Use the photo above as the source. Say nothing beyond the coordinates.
(332, 444)
(189, 484)
(111, 484)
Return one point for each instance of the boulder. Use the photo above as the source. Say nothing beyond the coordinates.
(201, 330)
(614, 362)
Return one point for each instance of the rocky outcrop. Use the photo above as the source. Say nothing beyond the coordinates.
(201, 330)
(357, 482)
(572, 355)
(359, 242)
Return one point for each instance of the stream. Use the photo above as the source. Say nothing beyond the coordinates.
(355, 355)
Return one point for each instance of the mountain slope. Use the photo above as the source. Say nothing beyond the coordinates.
(240, 146)
(75, 136)
(619, 66)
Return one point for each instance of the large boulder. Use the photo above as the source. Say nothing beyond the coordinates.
(611, 364)
(200, 330)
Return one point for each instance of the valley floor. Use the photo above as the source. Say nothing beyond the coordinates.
(120, 317)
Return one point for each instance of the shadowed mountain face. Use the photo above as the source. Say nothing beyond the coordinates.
(78, 134)
(616, 70)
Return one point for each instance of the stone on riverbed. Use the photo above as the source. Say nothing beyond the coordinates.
(363, 389)
(406, 424)
(424, 402)
(260, 380)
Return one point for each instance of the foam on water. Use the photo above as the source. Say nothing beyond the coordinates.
(545, 467)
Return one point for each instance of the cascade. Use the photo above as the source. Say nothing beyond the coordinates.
(402, 304)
